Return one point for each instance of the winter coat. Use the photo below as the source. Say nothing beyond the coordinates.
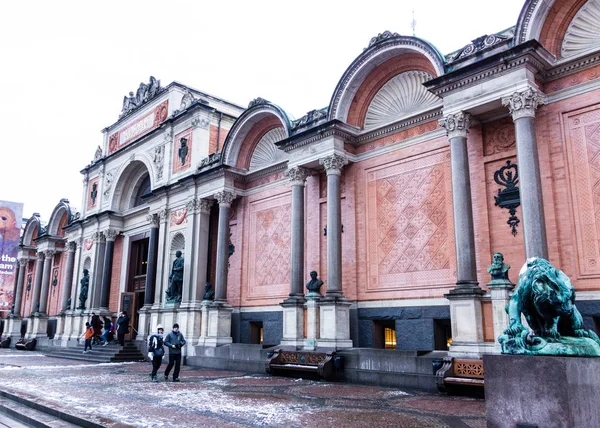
(89, 332)
(175, 339)
(123, 325)
(155, 345)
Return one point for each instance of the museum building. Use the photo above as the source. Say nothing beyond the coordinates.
(397, 194)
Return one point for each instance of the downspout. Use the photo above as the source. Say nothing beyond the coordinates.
(219, 132)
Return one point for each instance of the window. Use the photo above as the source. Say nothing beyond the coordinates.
(142, 191)
(390, 338)
(256, 333)
(384, 334)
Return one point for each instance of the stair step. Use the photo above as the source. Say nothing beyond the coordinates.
(31, 417)
(102, 354)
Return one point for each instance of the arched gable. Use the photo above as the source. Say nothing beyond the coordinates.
(387, 56)
(564, 27)
(32, 230)
(59, 218)
(254, 125)
(131, 176)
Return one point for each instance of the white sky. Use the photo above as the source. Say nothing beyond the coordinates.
(66, 65)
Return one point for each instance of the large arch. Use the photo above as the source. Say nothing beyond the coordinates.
(130, 179)
(33, 229)
(387, 56)
(60, 217)
(560, 25)
(256, 123)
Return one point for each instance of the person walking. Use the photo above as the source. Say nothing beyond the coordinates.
(107, 336)
(89, 334)
(174, 341)
(156, 352)
(97, 326)
(122, 327)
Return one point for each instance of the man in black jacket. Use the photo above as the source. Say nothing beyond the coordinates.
(174, 341)
(122, 327)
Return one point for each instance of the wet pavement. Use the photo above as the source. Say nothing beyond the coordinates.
(121, 394)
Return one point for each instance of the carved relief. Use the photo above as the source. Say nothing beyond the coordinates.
(266, 152)
(88, 243)
(159, 160)
(499, 137)
(108, 182)
(583, 32)
(92, 199)
(144, 93)
(179, 217)
(182, 153)
(409, 224)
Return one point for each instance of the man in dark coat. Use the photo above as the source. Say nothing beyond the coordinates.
(97, 326)
(174, 341)
(122, 327)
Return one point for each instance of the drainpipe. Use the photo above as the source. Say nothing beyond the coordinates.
(219, 132)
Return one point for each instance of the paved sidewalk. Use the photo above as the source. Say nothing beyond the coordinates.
(121, 394)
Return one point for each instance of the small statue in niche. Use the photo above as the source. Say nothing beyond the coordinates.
(314, 285)
(37, 308)
(175, 280)
(209, 293)
(83, 294)
(28, 283)
(12, 309)
(183, 150)
(68, 308)
(55, 279)
(94, 193)
(498, 269)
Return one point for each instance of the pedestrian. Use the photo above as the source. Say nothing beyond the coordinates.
(107, 336)
(89, 334)
(97, 326)
(122, 327)
(174, 341)
(156, 352)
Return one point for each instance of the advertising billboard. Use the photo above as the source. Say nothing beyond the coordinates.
(11, 217)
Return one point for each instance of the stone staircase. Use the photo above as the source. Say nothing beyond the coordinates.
(110, 353)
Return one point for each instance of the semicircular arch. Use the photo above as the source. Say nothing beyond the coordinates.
(31, 231)
(131, 176)
(57, 218)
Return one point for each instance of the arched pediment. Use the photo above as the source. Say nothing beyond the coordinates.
(387, 56)
(60, 217)
(32, 230)
(583, 33)
(248, 131)
(266, 153)
(130, 179)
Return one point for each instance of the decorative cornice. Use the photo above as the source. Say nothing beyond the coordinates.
(211, 159)
(456, 125)
(523, 104)
(334, 163)
(111, 234)
(297, 175)
(225, 198)
(479, 45)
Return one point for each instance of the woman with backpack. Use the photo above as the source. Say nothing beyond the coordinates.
(156, 351)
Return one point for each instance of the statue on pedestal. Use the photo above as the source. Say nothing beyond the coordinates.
(209, 293)
(83, 294)
(498, 269)
(314, 285)
(175, 280)
(546, 298)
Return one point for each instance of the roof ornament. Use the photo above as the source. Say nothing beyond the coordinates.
(98, 154)
(479, 44)
(311, 116)
(145, 92)
(381, 37)
(257, 101)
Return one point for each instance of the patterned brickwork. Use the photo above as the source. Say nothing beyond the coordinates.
(409, 223)
(115, 279)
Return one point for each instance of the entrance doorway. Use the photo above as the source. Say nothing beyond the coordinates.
(133, 299)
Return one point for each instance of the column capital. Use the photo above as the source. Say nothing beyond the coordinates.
(158, 217)
(111, 234)
(40, 255)
(524, 103)
(99, 237)
(49, 253)
(297, 175)
(334, 163)
(23, 261)
(225, 197)
(457, 124)
(71, 246)
(204, 205)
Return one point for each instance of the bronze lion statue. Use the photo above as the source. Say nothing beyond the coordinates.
(546, 298)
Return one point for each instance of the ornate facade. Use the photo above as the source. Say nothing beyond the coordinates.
(390, 193)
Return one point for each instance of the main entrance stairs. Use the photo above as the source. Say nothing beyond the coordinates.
(111, 353)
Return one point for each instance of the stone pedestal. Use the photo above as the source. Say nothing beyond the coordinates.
(60, 326)
(14, 328)
(312, 322)
(189, 319)
(500, 291)
(39, 327)
(547, 392)
(293, 323)
(204, 322)
(219, 325)
(467, 321)
(334, 323)
(144, 321)
(68, 326)
(78, 325)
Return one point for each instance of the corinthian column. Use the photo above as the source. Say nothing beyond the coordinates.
(522, 106)
(224, 198)
(37, 287)
(154, 220)
(19, 292)
(68, 276)
(111, 235)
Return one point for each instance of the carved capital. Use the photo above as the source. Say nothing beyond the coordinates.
(297, 175)
(153, 220)
(111, 234)
(40, 255)
(200, 122)
(204, 205)
(523, 104)
(23, 261)
(72, 246)
(192, 205)
(49, 253)
(333, 164)
(456, 125)
(225, 197)
(99, 237)
(163, 214)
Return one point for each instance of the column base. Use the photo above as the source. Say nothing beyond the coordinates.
(293, 322)
(219, 325)
(14, 328)
(473, 349)
(334, 323)
(466, 315)
(40, 327)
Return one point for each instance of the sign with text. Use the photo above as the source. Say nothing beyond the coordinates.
(11, 216)
(139, 127)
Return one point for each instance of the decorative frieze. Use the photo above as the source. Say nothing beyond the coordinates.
(523, 104)
(333, 164)
(225, 197)
(297, 175)
(456, 125)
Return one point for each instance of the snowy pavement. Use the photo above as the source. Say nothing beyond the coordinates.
(121, 394)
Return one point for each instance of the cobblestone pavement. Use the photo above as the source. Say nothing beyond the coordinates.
(121, 394)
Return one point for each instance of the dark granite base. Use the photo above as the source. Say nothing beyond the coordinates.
(544, 392)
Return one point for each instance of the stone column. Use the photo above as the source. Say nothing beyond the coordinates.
(111, 235)
(154, 220)
(293, 306)
(465, 299)
(48, 262)
(68, 276)
(97, 269)
(20, 284)
(219, 312)
(334, 307)
(162, 260)
(522, 106)
(37, 286)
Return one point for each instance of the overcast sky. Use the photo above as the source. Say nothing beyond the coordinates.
(66, 65)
